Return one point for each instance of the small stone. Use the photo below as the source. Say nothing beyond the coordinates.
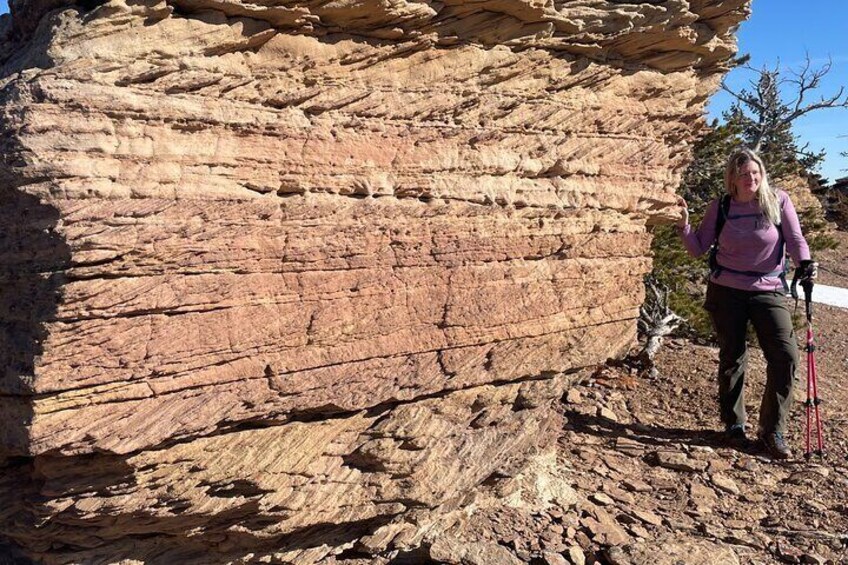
(757, 513)
(764, 539)
(698, 511)
(593, 439)
(725, 483)
(588, 455)
(584, 409)
(601, 470)
(535, 545)
(554, 546)
(582, 539)
(747, 464)
(608, 414)
(817, 507)
(710, 530)
(629, 446)
(670, 485)
(573, 396)
(618, 463)
(602, 499)
(604, 529)
(753, 497)
(646, 516)
(719, 465)
(627, 519)
(639, 531)
(679, 523)
(551, 558)
(636, 485)
(701, 495)
(550, 537)
(678, 461)
(741, 537)
(618, 494)
(575, 555)
(771, 521)
(616, 556)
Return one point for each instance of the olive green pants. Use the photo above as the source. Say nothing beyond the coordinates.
(731, 310)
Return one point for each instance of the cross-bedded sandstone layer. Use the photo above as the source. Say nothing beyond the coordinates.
(280, 276)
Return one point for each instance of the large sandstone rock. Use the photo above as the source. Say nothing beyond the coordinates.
(276, 275)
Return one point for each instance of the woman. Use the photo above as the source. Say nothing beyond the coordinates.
(746, 284)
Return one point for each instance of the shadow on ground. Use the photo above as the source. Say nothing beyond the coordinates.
(657, 436)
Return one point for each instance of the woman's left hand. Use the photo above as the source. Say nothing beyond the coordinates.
(809, 270)
(684, 212)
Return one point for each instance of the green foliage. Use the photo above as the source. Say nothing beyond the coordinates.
(821, 242)
(815, 232)
(703, 180)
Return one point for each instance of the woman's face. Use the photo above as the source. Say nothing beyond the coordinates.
(747, 181)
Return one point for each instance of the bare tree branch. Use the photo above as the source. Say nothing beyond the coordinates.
(767, 113)
(656, 319)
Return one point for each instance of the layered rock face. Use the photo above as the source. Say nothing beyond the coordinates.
(286, 280)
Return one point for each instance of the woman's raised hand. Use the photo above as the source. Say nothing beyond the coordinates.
(684, 213)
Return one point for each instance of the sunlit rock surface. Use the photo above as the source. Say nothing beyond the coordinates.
(282, 280)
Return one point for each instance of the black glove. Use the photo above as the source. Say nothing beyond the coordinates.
(808, 270)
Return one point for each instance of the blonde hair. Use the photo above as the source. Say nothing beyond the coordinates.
(767, 196)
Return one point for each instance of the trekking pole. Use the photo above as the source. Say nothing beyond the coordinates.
(813, 401)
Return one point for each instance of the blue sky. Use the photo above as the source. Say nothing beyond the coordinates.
(786, 30)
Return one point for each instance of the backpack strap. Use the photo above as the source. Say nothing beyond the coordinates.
(721, 218)
(784, 266)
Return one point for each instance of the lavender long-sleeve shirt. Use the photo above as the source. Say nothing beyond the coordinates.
(748, 242)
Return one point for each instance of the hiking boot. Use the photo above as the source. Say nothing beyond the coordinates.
(776, 445)
(735, 435)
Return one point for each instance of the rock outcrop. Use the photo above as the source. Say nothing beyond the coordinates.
(284, 281)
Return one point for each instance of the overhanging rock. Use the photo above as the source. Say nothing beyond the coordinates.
(277, 277)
